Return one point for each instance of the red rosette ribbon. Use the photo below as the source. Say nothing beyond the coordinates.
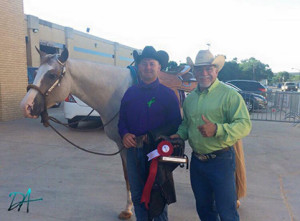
(164, 148)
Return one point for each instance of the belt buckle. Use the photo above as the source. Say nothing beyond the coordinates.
(139, 142)
(203, 157)
(212, 156)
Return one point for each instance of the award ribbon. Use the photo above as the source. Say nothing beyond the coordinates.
(164, 148)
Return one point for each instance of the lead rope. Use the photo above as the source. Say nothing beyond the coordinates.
(45, 121)
(55, 120)
(83, 149)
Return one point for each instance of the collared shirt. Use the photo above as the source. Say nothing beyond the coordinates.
(146, 107)
(221, 105)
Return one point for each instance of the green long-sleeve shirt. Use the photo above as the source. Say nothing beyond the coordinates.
(221, 105)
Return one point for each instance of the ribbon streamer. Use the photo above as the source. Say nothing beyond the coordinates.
(164, 148)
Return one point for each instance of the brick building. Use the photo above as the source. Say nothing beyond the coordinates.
(13, 73)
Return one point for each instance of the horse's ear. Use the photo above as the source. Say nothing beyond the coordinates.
(41, 53)
(64, 56)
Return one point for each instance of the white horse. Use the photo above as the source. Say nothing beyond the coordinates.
(98, 85)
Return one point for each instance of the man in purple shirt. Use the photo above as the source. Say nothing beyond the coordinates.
(146, 107)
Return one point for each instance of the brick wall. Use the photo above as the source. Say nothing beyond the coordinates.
(13, 73)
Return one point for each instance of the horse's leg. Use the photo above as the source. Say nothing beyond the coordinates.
(127, 213)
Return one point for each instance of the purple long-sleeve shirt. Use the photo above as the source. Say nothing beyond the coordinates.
(146, 107)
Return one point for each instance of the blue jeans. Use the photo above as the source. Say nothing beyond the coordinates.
(136, 168)
(213, 184)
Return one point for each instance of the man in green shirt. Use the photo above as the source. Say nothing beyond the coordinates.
(215, 117)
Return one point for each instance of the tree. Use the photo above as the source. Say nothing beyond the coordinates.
(283, 76)
(253, 69)
(249, 69)
(230, 71)
(172, 66)
(295, 77)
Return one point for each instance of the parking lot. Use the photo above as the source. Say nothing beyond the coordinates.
(79, 186)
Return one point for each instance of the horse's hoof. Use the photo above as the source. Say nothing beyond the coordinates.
(238, 203)
(125, 215)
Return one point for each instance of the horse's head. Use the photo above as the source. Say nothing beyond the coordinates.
(49, 85)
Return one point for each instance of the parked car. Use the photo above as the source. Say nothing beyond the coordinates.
(76, 110)
(289, 86)
(250, 86)
(253, 101)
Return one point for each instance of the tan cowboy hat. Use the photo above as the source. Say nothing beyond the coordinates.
(205, 57)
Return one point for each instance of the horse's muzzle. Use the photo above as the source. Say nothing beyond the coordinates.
(38, 105)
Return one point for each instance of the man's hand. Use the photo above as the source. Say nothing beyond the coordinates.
(208, 129)
(129, 140)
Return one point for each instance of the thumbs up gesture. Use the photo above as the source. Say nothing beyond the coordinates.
(208, 129)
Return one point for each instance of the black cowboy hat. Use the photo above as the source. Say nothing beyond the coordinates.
(149, 52)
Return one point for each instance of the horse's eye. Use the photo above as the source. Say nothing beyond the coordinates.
(51, 76)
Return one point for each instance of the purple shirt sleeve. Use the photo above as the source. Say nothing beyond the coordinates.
(122, 119)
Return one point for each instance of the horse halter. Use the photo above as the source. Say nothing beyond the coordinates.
(56, 83)
(44, 114)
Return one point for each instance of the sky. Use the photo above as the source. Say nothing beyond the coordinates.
(268, 30)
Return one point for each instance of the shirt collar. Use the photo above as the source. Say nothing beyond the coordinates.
(154, 84)
(210, 88)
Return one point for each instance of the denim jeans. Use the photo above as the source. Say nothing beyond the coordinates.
(136, 168)
(213, 184)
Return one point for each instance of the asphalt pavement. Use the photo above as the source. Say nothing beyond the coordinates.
(78, 186)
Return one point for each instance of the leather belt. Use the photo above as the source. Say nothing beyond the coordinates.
(212, 155)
